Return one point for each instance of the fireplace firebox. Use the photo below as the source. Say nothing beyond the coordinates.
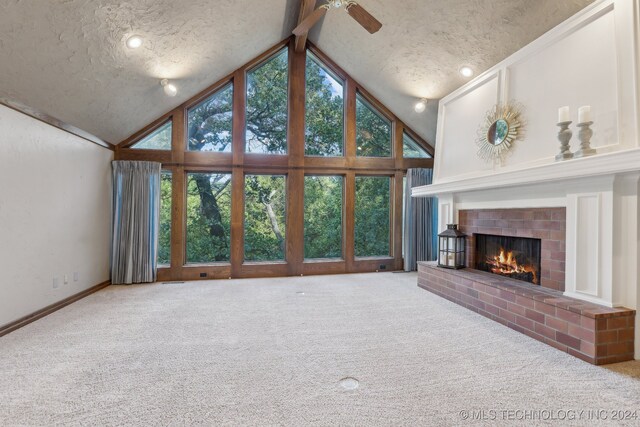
(513, 257)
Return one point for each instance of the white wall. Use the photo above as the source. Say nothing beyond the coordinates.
(55, 204)
(591, 59)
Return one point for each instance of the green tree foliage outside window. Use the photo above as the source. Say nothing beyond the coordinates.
(411, 149)
(267, 100)
(210, 123)
(208, 217)
(164, 236)
(323, 216)
(324, 116)
(372, 216)
(159, 139)
(265, 212)
(373, 131)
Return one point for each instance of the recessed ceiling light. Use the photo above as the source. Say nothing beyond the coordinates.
(466, 71)
(420, 105)
(169, 89)
(134, 42)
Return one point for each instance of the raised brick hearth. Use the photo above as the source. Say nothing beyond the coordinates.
(594, 333)
(546, 224)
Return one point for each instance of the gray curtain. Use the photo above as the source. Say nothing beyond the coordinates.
(136, 208)
(419, 221)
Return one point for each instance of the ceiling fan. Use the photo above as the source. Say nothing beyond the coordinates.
(354, 10)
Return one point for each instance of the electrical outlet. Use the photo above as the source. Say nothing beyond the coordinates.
(76, 276)
(66, 279)
(56, 283)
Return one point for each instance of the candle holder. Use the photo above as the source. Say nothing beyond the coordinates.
(584, 135)
(564, 136)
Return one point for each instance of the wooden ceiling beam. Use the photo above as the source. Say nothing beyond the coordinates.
(306, 8)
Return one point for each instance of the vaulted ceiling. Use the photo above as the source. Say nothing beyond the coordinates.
(67, 58)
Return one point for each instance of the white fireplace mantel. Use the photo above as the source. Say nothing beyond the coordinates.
(598, 165)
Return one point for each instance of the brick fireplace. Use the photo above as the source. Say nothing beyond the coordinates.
(591, 332)
(546, 224)
(539, 309)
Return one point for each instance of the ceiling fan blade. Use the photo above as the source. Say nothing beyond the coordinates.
(310, 21)
(364, 18)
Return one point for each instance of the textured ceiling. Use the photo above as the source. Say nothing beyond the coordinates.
(67, 57)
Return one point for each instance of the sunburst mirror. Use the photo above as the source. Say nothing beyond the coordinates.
(501, 127)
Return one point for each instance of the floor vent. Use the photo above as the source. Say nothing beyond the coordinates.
(349, 383)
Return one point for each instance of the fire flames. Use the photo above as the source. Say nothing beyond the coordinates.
(505, 264)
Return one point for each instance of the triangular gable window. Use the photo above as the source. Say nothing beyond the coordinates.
(159, 139)
(411, 149)
(324, 133)
(211, 122)
(373, 130)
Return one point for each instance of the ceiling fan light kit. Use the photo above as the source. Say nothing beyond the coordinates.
(357, 12)
(337, 4)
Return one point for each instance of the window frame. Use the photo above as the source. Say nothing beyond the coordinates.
(391, 216)
(311, 56)
(409, 134)
(295, 165)
(152, 129)
(365, 99)
(166, 171)
(207, 171)
(244, 216)
(343, 219)
(253, 67)
(212, 91)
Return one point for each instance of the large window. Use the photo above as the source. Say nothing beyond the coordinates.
(373, 130)
(265, 213)
(211, 122)
(319, 200)
(208, 217)
(372, 216)
(164, 236)
(159, 139)
(267, 100)
(324, 115)
(411, 149)
(323, 216)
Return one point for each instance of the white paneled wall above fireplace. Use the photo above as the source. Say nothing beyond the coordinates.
(590, 59)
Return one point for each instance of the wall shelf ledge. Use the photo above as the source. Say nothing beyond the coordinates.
(598, 165)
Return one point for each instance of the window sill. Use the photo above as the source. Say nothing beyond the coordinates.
(208, 264)
(275, 262)
(322, 260)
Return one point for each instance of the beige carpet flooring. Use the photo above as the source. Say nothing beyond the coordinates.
(273, 352)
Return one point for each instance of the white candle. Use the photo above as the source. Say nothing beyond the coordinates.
(584, 114)
(563, 114)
